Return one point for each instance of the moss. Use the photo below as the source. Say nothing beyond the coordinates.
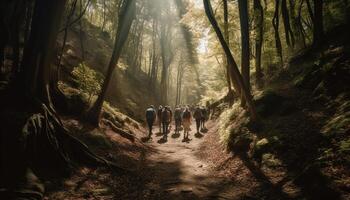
(270, 160)
(344, 146)
(77, 101)
(232, 129)
(96, 138)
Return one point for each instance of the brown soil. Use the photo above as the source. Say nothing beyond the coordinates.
(173, 169)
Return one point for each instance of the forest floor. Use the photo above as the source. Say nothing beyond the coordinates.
(180, 172)
(174, 169)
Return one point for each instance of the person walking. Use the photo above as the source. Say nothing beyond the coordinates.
(159, 116)
(178, 119)
(166, 119)
(150, 118)
(197, 115)
(204, 117)
(186, 122)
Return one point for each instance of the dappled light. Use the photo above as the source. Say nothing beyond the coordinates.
(175, 99)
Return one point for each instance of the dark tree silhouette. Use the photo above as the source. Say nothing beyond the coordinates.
(236, 74)
(126, 17)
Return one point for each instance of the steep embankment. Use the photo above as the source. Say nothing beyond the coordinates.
(128, 91)
(301, 147)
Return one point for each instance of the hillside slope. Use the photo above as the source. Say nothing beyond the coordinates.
(301, 147)
(128, 91)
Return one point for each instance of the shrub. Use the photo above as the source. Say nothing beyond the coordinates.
(87, 79)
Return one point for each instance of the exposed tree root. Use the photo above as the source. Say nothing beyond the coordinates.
(44, 145)
(118, 130)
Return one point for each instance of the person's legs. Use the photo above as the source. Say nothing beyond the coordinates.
(163, 128)
(198, 123)
(177, 126)
(166, 125)
(149, 128)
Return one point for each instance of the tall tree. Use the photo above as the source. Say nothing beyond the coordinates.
(245, 55)
(125, 20)
(38, 53)
(318, 31)
(259, 30)
(286, 22)
(227, 39)
(275, 24)
(167, 57)
(231, 61)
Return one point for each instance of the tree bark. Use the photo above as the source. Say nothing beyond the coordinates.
(286, 22)
(125, 20)
(227, 39)
(245, 55)
(318, 32)
(259, 23)
(275, 24)
(38, 53)
(236, 74)
(167, 57)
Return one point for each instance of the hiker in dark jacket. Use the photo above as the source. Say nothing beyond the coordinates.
(166, 119)
(159, 116)
(204, 117)
(197, 115)
(178, 119)
(150, 118)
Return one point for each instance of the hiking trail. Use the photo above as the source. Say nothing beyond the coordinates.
(180, 171)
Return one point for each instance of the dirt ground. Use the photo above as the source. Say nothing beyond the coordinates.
(199, 168)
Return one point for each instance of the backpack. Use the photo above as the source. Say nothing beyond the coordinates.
(197, 114)
(166, 115)
(177, 113)
(150, 114)
(204, 113)
(187, 114)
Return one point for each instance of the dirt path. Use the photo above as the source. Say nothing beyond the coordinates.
(179, 171)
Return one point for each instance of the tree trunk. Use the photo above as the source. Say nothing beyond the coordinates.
(126, 17)
(167, 57)
(318, 32)
(286, 22)
(227, 39)
(81, 33)
(236, 75)
(38, 53)
(259, 23)
(298, 27)
(245, 56)
(275, 24)
(187, 34)
(71, 13)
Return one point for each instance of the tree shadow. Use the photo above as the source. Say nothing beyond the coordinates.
(297, 146)
(275, 190)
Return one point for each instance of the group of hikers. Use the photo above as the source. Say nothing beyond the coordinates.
(183, 119)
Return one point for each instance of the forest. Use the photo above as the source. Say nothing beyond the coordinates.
(175, 99)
